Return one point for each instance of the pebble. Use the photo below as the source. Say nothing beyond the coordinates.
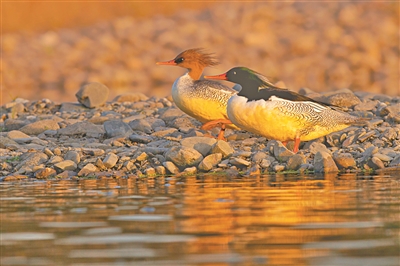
(161, 140)
(92, 95)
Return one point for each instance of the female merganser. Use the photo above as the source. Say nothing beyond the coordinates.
(280, 114)
(204, 100)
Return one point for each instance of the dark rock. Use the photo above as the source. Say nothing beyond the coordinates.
(323, 162)
(295, 162)
(5, 142)
(14, 124)
(72, 108)
(141, 125)
(375, 163)
(117, 128)
(344, 161)
(73, 156)
(140, 138)
(281, 153)
(92, 94)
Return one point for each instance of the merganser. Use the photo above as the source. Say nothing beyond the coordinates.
(280, 114)
(204, 100)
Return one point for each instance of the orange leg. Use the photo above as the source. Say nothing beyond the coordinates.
(296, 145)
(221, 132)
(215, 123)
(284, 143)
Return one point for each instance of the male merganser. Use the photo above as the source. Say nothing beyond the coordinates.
(280, 114)
(204, 100)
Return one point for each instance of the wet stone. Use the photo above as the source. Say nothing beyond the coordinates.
(184, 157)
(295, 162)
(375, 163)
(92, 94)
(110, 160)
(88, 170)
(239, 162)
(66, 165)
(171, 167)
(344, 161)
(323, 162)
(210, 161)
(116, 128)
(45, 173)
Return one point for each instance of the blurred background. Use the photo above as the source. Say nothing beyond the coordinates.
(49, 49)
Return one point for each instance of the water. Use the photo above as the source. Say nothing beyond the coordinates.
(207, 220)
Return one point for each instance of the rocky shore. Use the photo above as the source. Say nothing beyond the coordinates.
(136, 136)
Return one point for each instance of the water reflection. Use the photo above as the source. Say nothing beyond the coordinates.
(207, 220)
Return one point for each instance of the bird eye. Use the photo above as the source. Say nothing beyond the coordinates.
(179, 60)
(234, 72)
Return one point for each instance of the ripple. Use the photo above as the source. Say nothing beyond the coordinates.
(26, 236)
(72, 224)
(364, 224)
(350, 244)
(114, 253)
(141, 218)
(124, 238)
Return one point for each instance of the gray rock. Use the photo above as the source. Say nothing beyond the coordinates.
(92, 94)
(316, 147)
(201, 144)
(375, 163)
(222, 147)
(72, 108)
(395, 161)
(116, 128)
(155, 122)
(294, 163)
(31, 159)
(183, 157)
(171, 167)
(140, 138)
(281, 153)
(88, 170)
(323, 162)
(82, 128)
(40, 126)
(344, 161)
(73, 156)
(6, 142)
(14, 124)
(266, 163)
(259, 156)
(66, 165)
(141, 125)
(239, 162)
(210, 161)
(182, 122)
(344, 98)
(110, 161)
(170, 114)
